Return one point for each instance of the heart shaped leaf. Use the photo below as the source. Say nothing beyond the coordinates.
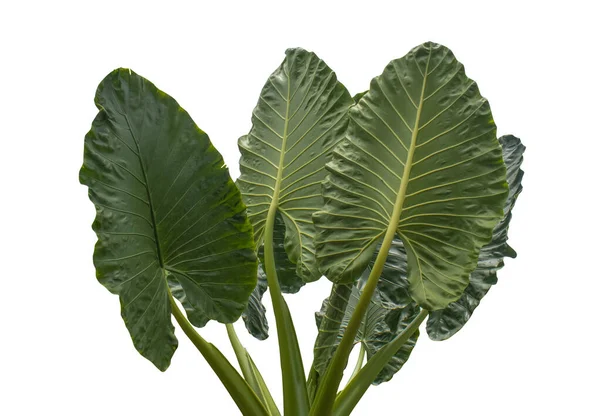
(168, 216)
(420, 160)
(301, 115)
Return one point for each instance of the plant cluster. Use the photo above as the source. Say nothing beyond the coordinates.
(401, 196)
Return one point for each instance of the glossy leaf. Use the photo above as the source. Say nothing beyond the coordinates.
(166, 210)
(420, 158)
(301, 115)
(444, 323)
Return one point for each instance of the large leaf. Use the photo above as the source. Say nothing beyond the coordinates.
(444, 323)
(166, 210)
(300, 116)
(420, 159)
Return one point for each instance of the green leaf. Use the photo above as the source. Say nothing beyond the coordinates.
(301, 115)
(254, 316)
(421, 160)
(166, 209)
(444, 323)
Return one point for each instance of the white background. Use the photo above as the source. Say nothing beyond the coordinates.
(532, 348)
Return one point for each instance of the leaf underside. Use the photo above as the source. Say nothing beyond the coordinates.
(444, 323)
(167, 215)
(300, 116)
(422, 141)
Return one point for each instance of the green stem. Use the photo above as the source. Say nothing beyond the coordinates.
(328, 387)
(295, 396)
(240, 353)
(356, 388)
(359, 361)
(251, 373)
(246, 400)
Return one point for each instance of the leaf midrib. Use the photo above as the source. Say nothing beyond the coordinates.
(147, 188)
(401, 195)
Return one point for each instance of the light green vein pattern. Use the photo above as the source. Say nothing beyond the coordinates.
(301, 115)
(422, 137)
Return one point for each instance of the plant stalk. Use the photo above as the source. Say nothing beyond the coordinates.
(358, 385)
(295, 396)
(251, 373)
(245, 398)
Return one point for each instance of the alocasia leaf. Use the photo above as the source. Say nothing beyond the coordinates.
(301, 115)
(168, 216)
(444, 323)
(420, 159)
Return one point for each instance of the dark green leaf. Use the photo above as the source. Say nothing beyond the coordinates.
(301, 114)
(444, 323)
(420, 158)
(166, 210)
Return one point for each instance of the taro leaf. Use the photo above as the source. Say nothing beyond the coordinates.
(166, 209)
(380, 325)
(301, 115)
(421, 159)
(254, 316)
(444, 323)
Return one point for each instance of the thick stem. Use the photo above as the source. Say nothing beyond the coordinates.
(295, 396)
(251, 373)
(328, 387)
(356, 388)
(246, 400)
(241, 355)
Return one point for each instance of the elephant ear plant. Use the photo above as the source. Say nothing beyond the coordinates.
(401, 196)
